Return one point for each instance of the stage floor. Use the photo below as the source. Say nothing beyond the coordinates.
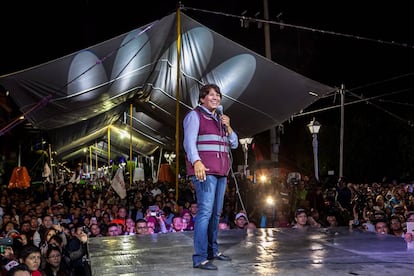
(268, 251)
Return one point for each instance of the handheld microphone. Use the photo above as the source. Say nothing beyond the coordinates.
(219, 111)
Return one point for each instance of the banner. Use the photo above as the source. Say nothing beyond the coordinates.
(139, 173)
(47, 173)
(118, 183)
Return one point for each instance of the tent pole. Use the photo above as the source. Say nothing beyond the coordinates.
(130, 145)
(51, 165)
(20, 156)
(109, 146)
(159, 165)
(341, 133)
(96, 160)
(177, 105)
(90, 161)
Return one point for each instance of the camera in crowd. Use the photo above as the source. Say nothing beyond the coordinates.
(154, 211)
(360, 202)
(86, 230)
(6, 241)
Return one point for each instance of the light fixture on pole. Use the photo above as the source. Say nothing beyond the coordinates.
(245, 142)
(169, 157)
(153, 176)
(314, 127)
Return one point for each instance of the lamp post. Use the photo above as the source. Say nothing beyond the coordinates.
(314, 127)
(245, 142)
(271, 203)
(169, 157)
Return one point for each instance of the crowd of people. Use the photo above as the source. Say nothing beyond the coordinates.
(46, 228)
(382, 208)
(55, 222)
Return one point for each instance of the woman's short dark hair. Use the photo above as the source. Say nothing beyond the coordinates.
(27, 250)
(205, 89)
(57, 239)
(51, 248)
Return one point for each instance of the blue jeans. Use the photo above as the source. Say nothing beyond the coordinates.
(210, 198)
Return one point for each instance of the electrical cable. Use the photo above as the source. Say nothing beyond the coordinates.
(222, 128)
(237, 186)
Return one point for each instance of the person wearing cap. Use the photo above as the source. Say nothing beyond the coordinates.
(208, 140)
(240, 221)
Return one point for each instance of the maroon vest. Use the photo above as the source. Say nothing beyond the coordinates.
(212, 146)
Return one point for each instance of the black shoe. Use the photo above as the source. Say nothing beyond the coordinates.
(206, 265)
(222, 257)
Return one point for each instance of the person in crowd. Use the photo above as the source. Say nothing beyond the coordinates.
(77, 250)
(344, 194)
(193, 208)
(208, 139)
(113, 230)
(316, 200)
(368, 210)
(185, 224)
(34, 226)
(57, 241)
(315, 215)
(137, 212)
(25, 230)
(19, 270)
(156, 191)
(300, 195)
(155, 221)
(151, 226)
(141, 227)
(8, 257)
(250, 227)
(177, 224)
(23, 239)
(120, 216)
(47, 223)
(368, 227)
(30, 255)
(240, 221)
(396, 227)
(381, 227)
(282, 219)
(95, 230)
(130, 227)
(168, 215)
(224, 225)
(380, 204)
(104, 222)
(185, 214)
(8, 228)
(409, 235)
(331, 219)
(301, 219)
(55, 265)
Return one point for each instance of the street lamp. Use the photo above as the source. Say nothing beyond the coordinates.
(245, 142)
(169, 157)
(314, 127)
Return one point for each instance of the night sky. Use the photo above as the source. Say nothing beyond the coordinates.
(370, 50)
